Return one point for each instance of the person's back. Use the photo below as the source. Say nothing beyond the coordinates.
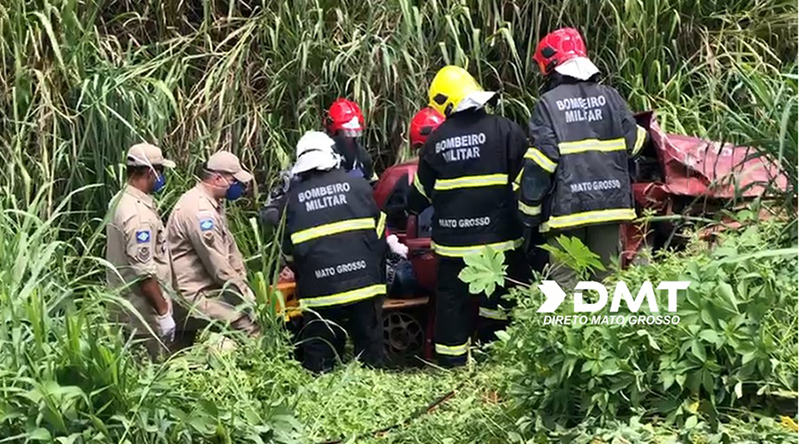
(335, 246)
(588, 140)
(468, 157)
(575, 181)
(467, 173)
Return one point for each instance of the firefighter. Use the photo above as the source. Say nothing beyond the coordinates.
(344, 122)
(466, 171)
(575, 179)
(336, 247)
(208, 266)
(422, 125)
(137, 249)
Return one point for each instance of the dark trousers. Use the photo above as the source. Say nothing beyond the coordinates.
(603, 240)
(325, 332)
(456, 320)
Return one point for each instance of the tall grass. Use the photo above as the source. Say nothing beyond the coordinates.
(81, 81)
(66, 375)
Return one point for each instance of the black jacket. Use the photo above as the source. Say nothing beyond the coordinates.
(335, 239)
(356, 159)
(466, 171)
(576, 170)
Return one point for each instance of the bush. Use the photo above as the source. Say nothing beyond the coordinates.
(735, 345)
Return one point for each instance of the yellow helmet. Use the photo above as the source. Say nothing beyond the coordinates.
(449, 87)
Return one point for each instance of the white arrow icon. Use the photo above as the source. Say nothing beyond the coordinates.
(554, 294)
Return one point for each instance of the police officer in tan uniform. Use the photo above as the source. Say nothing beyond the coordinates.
(208, 266)
(137, 247)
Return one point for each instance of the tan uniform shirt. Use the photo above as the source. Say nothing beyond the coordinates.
(137, 247)
(204, 253)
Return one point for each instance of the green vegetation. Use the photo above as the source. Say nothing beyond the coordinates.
(81, 81)
(735, 346)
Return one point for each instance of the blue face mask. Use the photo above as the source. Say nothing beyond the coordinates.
(161, 182)
(356, 172)
(235, 191)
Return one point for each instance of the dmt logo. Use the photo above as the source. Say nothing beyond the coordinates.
(555, 297)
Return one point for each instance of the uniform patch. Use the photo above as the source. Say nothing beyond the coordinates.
(143, 237)
(144, 254)
(206, 224)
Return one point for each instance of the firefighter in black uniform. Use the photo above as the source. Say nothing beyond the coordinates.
(575, 181)
(344, 123)
(336, 247)
(466, 171)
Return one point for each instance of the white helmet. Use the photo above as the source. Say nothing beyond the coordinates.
(315, 152)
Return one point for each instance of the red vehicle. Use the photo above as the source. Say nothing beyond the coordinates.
(674, 175)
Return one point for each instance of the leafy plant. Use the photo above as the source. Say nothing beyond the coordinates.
(735, 345)
(484, 272)
(575, 255)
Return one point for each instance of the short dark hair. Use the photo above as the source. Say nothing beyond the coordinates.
(205, 174)
(136, 171)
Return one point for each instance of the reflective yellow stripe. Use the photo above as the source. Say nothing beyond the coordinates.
(530, 211)
(474, 249)
(489, 313)
(452, 350)
(381, 225)
(334, 228)
(540, 159)
(343, 298)
(588, 217)
(640, 135)
(419, 187)
(518, 180)
(471, 182)
(582, 146)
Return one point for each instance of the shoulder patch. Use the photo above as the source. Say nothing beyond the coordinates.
(143, 237)
(206, 224)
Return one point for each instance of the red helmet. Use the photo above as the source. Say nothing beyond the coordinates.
(424, 122)
(558, 47)
(344, 116)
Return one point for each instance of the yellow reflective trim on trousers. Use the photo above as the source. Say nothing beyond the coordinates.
(344, 297)
(381, 225)
(529, 210)
(518, 180)
(588, 217)
(540, 159)
(452, 350)
(471, 182)
(474, 249)
(640, 135)
(489, 313)
(366, 223)
(582, 146)
(419, 187)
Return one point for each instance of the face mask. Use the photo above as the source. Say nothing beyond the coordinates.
(235, 191)
(356, 172)
(160, 183)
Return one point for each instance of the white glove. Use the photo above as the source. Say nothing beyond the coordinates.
(166, 327)
(396, 246)
(248, 294)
